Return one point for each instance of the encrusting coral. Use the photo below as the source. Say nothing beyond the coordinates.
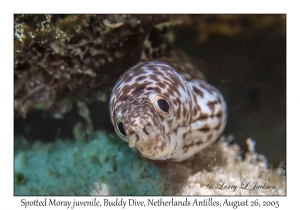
(106, 166)
(235, 176)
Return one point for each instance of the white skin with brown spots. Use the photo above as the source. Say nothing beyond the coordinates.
(165, 115)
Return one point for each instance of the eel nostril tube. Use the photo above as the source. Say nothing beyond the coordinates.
(132, 139)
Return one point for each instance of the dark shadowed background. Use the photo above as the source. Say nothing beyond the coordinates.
(250, 71)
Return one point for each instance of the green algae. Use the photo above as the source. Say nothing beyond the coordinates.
(72, 168)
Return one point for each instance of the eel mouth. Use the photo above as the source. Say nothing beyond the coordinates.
(132, 140)
(155, 148)
(144, 135)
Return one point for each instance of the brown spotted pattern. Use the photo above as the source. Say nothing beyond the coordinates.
(196, 111)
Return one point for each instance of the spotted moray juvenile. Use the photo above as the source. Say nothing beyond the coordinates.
(166, 114)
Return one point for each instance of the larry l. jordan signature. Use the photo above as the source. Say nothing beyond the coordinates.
(246, 185)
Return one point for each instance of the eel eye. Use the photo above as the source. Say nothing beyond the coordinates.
(120, 128)
(161, 105)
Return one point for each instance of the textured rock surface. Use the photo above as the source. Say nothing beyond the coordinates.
(63, 57)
